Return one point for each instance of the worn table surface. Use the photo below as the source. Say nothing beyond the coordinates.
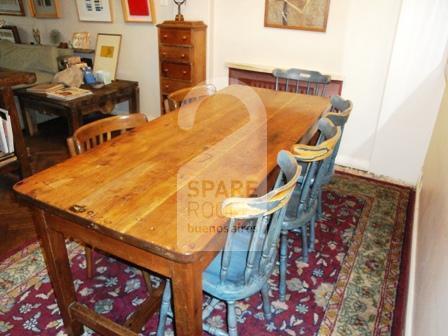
(10, 77)
(133, 188)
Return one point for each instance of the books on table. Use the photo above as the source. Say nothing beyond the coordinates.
(59, 91)
(6, 135)
(45, 88)
(69, 93)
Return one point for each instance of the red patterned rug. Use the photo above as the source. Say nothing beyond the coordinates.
(348, 286)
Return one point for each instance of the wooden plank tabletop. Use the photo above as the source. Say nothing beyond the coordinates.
(12, 77)
(145, 187)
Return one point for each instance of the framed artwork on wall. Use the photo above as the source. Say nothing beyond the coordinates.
(94, 10)
(107, 52)
(9, 33)
(138, 10)
(297, 14)
(12, 7)
(48, 9)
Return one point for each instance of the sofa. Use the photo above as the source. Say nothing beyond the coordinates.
(42, 60)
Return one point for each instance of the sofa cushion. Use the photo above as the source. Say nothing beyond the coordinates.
(29, 57)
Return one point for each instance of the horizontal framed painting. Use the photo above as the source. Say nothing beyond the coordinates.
(107, 52)
(94, 10)
(9, 33)
(138, 10)
(46, 9)
(12, 7)
(297, 14)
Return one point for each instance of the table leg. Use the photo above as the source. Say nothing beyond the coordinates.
(28, 118)
(187, 297)
(74, 120)
(134, 101)
(56, 259)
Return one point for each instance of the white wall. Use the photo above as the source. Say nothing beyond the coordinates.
(429, 275)
(139, 51)
(378, 47)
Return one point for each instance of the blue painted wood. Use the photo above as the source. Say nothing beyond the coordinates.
(302, 208)
(303, 81)
(244, 266)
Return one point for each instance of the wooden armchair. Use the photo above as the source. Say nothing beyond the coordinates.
(188, 95)
(302, 81)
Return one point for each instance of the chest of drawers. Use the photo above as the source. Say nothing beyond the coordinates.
(182, 55)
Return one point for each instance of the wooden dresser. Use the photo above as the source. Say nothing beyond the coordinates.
(182, 55)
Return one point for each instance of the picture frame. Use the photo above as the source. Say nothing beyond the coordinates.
(311, 15)
(12, 7)
(94, 10)
(45, 9)
(107, 52)
(81, 40)
(138, 11)
(10, 33)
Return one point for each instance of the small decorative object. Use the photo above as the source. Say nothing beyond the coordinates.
(89, 78)
(81, 40)
(94, 10)
(103, 77)
(71, 77)
(297, 14)
(9, 33)
(106, 53)
(138, 10)
(179, 3)
(47, 9)
(12, 7)
(36, 35)
(55, 36)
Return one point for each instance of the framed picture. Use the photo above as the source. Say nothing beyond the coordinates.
(94, 10)
(138, 10)
(12, 7)
(81, 40)
(107, 52)
(297, 14)
(10, 33)
(45, 8)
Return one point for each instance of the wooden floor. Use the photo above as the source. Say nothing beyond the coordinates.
(47, 149)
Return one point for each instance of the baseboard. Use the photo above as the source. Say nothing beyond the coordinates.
(364, 173)
(402, 320)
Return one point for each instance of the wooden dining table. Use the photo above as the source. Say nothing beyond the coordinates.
(130, 197)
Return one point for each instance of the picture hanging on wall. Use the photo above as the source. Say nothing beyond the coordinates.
(94, 10)
(138, 10)
(297, 14)
(46, 9)
(9, 33)
(12, 7)
(107, 52)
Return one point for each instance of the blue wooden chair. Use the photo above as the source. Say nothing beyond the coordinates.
(248, 258)
(302, 208)
(314, 83)
(340, 112)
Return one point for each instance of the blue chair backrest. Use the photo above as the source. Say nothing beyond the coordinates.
(267, 212)
(314, 82)
(315, 161)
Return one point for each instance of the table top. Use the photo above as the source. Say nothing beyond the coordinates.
(12, 77)
(160, 186)
(113, 88)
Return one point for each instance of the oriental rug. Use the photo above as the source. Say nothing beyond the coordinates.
(348, 287)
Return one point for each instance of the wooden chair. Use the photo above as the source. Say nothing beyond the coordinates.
(93, 134)
(340, 112)
(249, 256)
(188, 95)
(302, 209)
(314, 82)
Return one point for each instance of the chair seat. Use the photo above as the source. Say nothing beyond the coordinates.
(233, 288)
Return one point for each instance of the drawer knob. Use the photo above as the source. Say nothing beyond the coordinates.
(164, 54)
(165, 70)
(165, 36)
(184, 37)
(184, 72)
(167, 86)
(182, 56)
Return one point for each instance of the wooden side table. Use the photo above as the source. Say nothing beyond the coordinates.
(102, 100)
